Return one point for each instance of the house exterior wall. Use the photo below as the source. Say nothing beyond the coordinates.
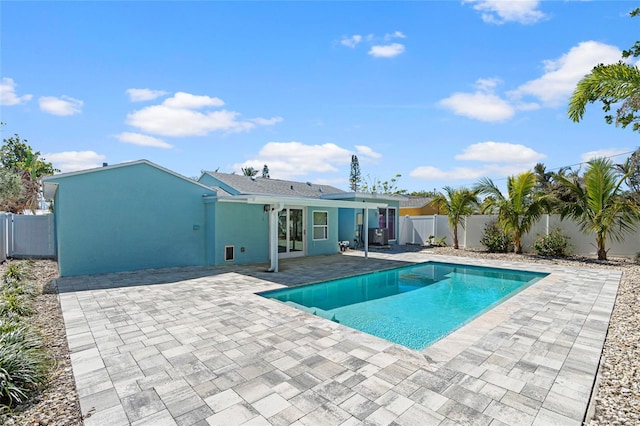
(347, 225)
(348, 228)
(128, 218)
(242, 226)
(330, 245)
(429, 209)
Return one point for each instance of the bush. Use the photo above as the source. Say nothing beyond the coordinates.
(495, 240)
(23, 362)
(23, 367)
(17, 272)
(15, 304)
(556, 244)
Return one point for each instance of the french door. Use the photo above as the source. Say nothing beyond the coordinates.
(291, 232)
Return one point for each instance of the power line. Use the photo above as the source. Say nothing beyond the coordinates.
(557, 168)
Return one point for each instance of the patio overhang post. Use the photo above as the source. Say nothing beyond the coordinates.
(365, 230)
(274, 210)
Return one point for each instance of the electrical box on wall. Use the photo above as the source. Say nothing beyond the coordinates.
(359, 219)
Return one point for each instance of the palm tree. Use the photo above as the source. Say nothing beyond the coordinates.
(520, 209)
(610, 84)
(457, 204)
(249, 171)
(601, 206)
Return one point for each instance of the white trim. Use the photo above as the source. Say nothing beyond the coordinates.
(299, 253)
(301, 202)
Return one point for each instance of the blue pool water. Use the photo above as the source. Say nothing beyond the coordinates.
(413, 306)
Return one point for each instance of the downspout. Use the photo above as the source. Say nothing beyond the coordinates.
(273, 235)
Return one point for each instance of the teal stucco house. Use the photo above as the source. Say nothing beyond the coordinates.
(139, 215)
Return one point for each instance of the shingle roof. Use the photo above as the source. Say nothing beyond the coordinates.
(412, 202)
(264, 186)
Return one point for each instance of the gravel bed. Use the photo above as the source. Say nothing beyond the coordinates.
(616, 399)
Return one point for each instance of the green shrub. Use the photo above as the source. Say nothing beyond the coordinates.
(556, 244)
(17, 272)
(14, 304)
(495, 240)
(23, 367)
(8, 325)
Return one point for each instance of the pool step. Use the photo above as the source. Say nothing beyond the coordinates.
(314, 311)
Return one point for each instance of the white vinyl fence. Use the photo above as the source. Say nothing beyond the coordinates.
(26, 236)
(417, 229)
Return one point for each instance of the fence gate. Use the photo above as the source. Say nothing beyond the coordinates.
(29, 236)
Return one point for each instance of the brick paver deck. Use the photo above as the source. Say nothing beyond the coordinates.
(196, 346)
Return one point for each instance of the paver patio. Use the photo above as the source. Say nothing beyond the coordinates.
(196, 346)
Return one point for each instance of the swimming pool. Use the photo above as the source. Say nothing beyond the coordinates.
(413, 306)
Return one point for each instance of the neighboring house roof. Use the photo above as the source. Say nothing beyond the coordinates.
(415, 202)
(50, 183)
(258, 185)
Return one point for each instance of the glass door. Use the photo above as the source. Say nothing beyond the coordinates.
(291, 232)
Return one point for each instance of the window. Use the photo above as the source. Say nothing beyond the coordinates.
(320, 225)
(387, 219)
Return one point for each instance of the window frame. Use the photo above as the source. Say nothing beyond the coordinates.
(324, 226)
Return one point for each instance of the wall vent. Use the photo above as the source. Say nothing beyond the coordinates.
(229, 253)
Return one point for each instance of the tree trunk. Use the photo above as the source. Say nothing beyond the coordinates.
(517, 243)
(455, 237)
(602, 251)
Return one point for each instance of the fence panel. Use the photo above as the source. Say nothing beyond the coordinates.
(442, 229)
(416, 229)
(31, 236)
(474, 229)
(4, 223)
(419, 228)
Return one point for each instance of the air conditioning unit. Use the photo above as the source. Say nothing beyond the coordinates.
(379, 236)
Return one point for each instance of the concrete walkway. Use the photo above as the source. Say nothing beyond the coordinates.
(196, 346)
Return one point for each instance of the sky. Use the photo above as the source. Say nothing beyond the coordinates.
(443, 93)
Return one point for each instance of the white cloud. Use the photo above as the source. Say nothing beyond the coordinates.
(142, 140)
(189, 101)
(287, 160)
(468, 173)
(482, 105)
(367, 152)
(71, 161)
(551, 90)
(351, 41)
(8, 94)
(498, 159)
(607, 152)
(267, 121)
(139, 95)
(63, 105)
(386, 51)
(395, 34)
(561, 75)
(501, 11)
(500, 152)
(479, 105)
(179, 115)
